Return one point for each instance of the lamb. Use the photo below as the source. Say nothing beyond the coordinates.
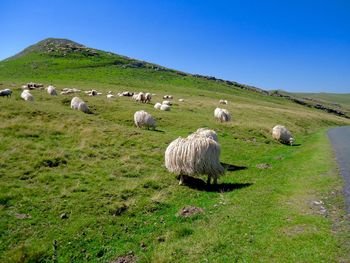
(148, 97)
(222, 115)
(196, 154)
(166, 102)
(26, 95)
(51, 90)
(157, 106)
(5, 92)
(144, 119)
(282, 134)
(165, 107)
(78, 104)
(223, 101)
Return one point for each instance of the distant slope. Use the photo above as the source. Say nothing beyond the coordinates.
(342, 99)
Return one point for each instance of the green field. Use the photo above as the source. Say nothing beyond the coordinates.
(341, 99)
(81, 187)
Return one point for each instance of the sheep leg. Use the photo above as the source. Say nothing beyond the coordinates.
(208, 181)
(182, 179)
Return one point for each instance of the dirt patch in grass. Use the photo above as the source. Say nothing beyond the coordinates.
(125, 259)
(190, 211)
(263, 166)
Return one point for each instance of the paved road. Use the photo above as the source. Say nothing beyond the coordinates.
(340, 139)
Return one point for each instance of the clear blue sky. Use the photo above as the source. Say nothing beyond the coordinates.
(290, 45)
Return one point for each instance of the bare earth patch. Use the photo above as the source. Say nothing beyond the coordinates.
(263, 166)
(125, 259)
(190, 211)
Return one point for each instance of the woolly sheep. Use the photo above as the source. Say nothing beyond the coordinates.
(282, 134)
(78, 104)
(148, 97)
(223, 101)
(181, 100)
(26, 95)
(166, 102)
(51, 90)
(157, 106)
(140, 97)
(144, 119)
(196, 154)
(5, 92)
(110, 96)
(222, 115)
(206, 133)
(168, 97)
(165, 107)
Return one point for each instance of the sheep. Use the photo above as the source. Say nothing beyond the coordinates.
(51, 90)
(181, 100)
(165, 107)
(127, 94)
(140, 97)
(148, 97)
(110, 96)
(168, 97)
(157, 106)
(223, 101)
(69, 91)
(282, 134)
(166, 102)
(196, 154)
(78, 104)
(144, 119)
(26, 95)
(206, 133)
(222, 115)
(5, 92)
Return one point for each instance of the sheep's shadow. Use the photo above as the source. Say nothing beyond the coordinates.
(199, 184)
(232, 167)
(296, 144)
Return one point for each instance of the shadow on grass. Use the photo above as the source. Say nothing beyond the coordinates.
(199, 184)
(232, 167)
(295, 144)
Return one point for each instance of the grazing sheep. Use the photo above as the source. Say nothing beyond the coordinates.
(110, 96)
(69, 91)
(281, 134)
(223, 101)
(5, 92)
(181, 100)
(206, 133)
(196, 154)
(168, 97)
(140, 97)
(127, 94)
(222, 115)
(144, 119)
(148, 97)
(166, 102)
(26, 95)
(78, 104)
(165, 107)
(51, 90)
(157, 106)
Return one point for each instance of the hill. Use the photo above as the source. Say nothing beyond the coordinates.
(342, 100)
(93, 187)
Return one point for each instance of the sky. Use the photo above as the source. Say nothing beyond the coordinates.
(298, 46)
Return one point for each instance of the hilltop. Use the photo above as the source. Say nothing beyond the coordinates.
(81, 187)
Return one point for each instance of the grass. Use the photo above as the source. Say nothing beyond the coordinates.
(109, 180)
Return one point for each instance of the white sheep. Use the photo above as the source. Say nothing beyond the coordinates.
(194, 155)
(144, 119)
(168, 97)
(223, 101)
(282, 134)
(166, 102)
(5, 92)
(27, 96)
(165, 107)
(181, 100)
(206, 133)
(157, 106)
(148, 97)
(78, 104)
(222, 115)
(140, 97)
(110, 96)
(51, 90)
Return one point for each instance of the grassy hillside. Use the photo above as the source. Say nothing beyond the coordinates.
(77, 187)
(342, 99)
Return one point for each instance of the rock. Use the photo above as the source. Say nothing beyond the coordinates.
(22, 216)
(64, 216)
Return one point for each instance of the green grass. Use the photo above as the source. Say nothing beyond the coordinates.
(110, 180)
(342, 99)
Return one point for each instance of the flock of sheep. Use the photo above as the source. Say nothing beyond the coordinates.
(198, 153)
